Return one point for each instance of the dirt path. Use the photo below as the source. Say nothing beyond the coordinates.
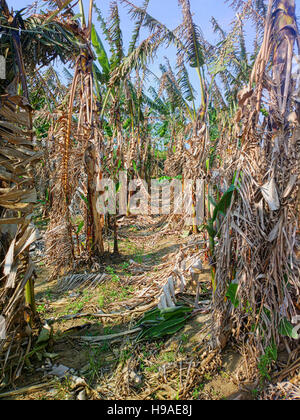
(168, 369)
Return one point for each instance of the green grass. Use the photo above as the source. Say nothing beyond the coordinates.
(197, 391)
(101, 301)
(110, 293)
(184, 338)
(125, 355)
(41, 309)
(114, 277)
(95, 364)
(78, 305)
(137, 252)
(169, 357)
(125, 266)
(153, 368)
(266, 360)
(109, 330)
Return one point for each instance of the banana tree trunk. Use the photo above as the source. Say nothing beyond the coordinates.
(285, 35)
(95, 220)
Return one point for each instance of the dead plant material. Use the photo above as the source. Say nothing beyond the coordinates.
(157, 380)
(17, 198)
(27, 390)
(283, 391)
(259, 236)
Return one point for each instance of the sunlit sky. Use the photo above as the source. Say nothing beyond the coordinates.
(169, 13)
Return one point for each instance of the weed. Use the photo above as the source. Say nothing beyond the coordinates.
(159, 345)
(41, 309)
(95, 364)
(182, 350)
(101, 300)
(266, 361)
(152, 369)
(125, 355)
(184, 338)
(138, 259)
(63, 390)
(169, 357)
(125, 266)
(197, 391)
(114, 277)
(78, 305)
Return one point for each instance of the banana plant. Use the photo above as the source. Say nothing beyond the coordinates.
(213, 226)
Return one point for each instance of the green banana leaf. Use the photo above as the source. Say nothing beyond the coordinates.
(160, 323)
(225, 202)
(100, 51)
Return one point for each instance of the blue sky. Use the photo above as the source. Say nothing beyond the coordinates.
(169, 13)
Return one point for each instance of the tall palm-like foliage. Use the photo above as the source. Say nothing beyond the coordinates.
(123, 76)
(76, 154)
(25, 43)
(257, 267)
(242, 142)
(17, 196)
(98, 97)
